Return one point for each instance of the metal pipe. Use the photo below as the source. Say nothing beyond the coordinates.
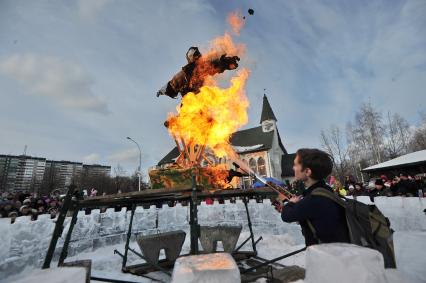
(250, 227)
(140, 162)
(155, 265)
(272, 260)
(57, 232)
(64, 252)
(129, 234)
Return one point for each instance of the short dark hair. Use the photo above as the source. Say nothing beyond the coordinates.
(318, 161)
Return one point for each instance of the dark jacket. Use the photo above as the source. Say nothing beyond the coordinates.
(379, 193)
(406, 187)
(326, 216)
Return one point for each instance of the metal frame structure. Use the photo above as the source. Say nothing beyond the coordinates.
(193, 195)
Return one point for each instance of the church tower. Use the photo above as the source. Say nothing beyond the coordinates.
(267, 119)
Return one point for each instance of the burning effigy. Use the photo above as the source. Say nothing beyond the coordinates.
(208, 113)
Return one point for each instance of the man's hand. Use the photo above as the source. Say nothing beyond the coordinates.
(295, 199)
(282, 197)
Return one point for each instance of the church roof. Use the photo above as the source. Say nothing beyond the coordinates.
(252, 137)
(267, 113)
(245, 141)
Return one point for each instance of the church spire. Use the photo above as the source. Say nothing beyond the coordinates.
(267, 113)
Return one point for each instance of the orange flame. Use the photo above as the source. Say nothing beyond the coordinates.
(224, 45)
(211, 116)
(236, 22)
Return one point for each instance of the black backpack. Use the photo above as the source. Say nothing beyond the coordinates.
(367, 226)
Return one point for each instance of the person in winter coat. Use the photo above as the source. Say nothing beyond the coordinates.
(322, 220)
(379, 190)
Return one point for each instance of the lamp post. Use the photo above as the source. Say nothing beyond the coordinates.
(140, 161)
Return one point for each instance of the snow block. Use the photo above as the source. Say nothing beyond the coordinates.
(55, 275)
(212, 268)
(341, 262)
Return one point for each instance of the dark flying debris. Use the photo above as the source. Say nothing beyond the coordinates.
(250, 11)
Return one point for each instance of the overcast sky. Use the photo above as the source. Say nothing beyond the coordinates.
(77, 77)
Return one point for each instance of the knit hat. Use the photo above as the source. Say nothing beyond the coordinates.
(12, 213)
(22, 207)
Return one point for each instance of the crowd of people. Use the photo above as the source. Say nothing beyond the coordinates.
(401, 185)
(24, 204)
(28, 204)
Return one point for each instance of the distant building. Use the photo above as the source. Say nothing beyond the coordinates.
(260, 147)
(62, 173)
(96, 170)
(21, 173)
(37, 175)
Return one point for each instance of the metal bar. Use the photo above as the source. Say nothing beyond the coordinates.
(193, 218)
(250, 226)
(258, 240)
(57, 232)
(64, 252)
(272, 260)
(129, 234)
(120, 281)
(153, 264)
(117, 252)
(242, 244)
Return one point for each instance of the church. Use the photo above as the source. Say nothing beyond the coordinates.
(260, 147)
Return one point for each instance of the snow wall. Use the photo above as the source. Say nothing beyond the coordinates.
(25, 242)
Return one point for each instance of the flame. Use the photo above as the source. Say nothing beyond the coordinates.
(212, 115)
(224, 45)
(236, 22)
(209, 117)
(217, 175)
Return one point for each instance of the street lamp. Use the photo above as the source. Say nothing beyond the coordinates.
(140, 161)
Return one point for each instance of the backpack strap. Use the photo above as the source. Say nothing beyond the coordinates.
(330, 195)
(314, 232)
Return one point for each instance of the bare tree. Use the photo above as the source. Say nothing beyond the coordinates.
(398, 136)
(369, 131)
(332, 141)
(119, 173)
(418, 141)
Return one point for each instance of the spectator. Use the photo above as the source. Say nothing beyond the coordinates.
(420, 186)
(394, 186)
(359, 190)
(378, 190)
(405, 186)
(53, 212)
(321, 219)
(13, 216)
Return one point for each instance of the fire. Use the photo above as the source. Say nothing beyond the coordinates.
(235, 20)
(212, 115)
(224, 45)
(207, 119)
